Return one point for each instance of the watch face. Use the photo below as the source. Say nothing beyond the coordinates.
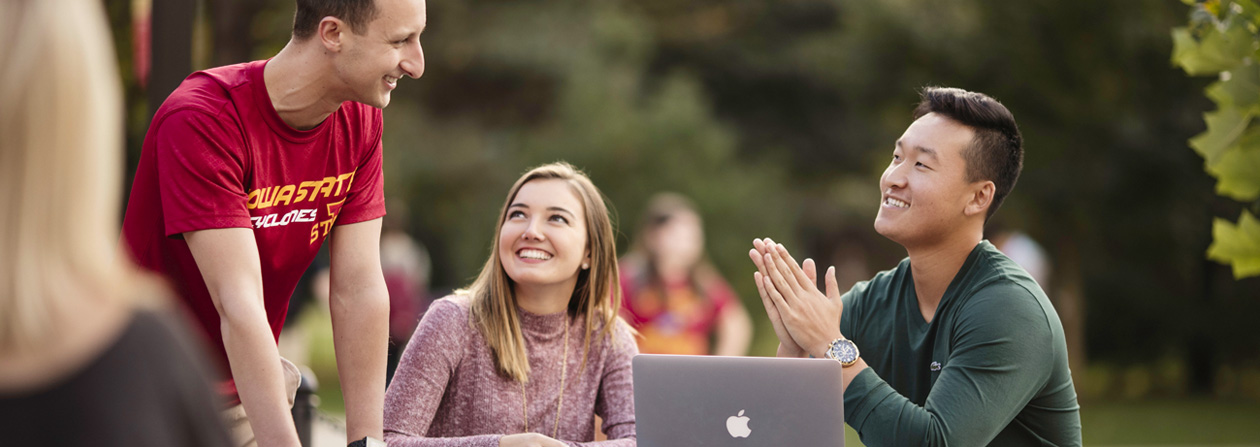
(844, 351)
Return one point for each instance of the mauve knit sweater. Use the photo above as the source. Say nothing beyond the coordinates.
(446, 391)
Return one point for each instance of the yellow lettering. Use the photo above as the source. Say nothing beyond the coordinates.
(321, 229)
(268, 197)
(252, 201)
(285, 194)
(301, 191)
(340, 179)
(334, 208)
(326, 225)
(349, 181)
(327, 187)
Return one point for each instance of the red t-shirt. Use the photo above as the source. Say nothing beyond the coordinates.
(217, 155)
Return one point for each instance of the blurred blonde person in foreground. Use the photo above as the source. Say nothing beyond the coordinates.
(533, 350)
(674, 297)
(80, 362)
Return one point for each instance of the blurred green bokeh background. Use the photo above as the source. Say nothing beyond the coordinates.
(777, 117)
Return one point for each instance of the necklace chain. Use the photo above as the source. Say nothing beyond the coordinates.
(564, 369)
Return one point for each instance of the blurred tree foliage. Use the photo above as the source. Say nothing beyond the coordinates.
(777, 117)
(1223, 40)
(1107, 185)
(563, 81)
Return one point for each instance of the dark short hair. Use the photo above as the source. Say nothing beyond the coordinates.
(356, 13)
(996, 152)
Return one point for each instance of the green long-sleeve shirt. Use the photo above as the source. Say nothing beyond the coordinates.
(991, 367)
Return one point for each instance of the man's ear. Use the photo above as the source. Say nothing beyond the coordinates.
(981, 198)
(330, 31)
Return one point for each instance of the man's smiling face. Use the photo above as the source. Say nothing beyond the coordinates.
(389, 48)
(924, 190)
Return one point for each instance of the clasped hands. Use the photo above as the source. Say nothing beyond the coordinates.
(805, 319)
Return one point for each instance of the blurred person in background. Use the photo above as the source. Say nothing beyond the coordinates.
(959, 345)
(309, 295)
(87, 355)
(246, 170)
(533, 350)
(406, 265)
(1024, 250)
(674, 296)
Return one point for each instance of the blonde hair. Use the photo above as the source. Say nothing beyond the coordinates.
(60, 164)
(597, 294)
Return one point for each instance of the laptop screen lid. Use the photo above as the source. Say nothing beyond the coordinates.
(737, 401)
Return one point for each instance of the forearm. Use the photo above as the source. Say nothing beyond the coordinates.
(884, 417)
(734, 331)
(229, 265)
(954, 414)
(255, 364)
(360, 321)
(851, 372)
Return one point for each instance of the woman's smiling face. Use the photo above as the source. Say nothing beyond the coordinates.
(543, 240)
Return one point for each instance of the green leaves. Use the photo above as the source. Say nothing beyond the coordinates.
(1241, 86)
(1227, 46)
(1224, 127)
(1231, 152)
(1215, 51)
(1238, 245)
(1238, 169)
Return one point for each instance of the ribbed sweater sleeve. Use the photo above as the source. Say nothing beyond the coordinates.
(425, 369)
(615, 402)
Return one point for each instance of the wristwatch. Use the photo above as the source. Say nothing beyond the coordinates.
(844, 351)
(367, 442)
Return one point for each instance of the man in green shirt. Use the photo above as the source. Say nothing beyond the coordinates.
(958, 344)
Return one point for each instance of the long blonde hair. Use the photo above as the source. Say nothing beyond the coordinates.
(597, 294)
(60, 164)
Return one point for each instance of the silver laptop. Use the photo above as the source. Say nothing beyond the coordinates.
(684, 401)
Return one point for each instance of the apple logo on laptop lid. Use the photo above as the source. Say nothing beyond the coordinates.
(738, 425)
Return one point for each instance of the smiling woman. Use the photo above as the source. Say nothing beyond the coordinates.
(533, 349)
(542, 244)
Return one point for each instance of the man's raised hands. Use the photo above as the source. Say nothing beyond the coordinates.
(804, 318)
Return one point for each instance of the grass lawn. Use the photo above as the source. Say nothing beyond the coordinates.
(1170, 422)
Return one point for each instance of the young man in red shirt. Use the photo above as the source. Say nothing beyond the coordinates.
(246, 170)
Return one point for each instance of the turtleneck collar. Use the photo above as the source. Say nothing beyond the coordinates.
(542, 326)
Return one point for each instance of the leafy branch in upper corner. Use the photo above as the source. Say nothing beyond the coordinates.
(1223, 39)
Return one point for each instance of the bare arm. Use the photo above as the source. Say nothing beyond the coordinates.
(359, 305)
(228, 261)
(734, 330)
